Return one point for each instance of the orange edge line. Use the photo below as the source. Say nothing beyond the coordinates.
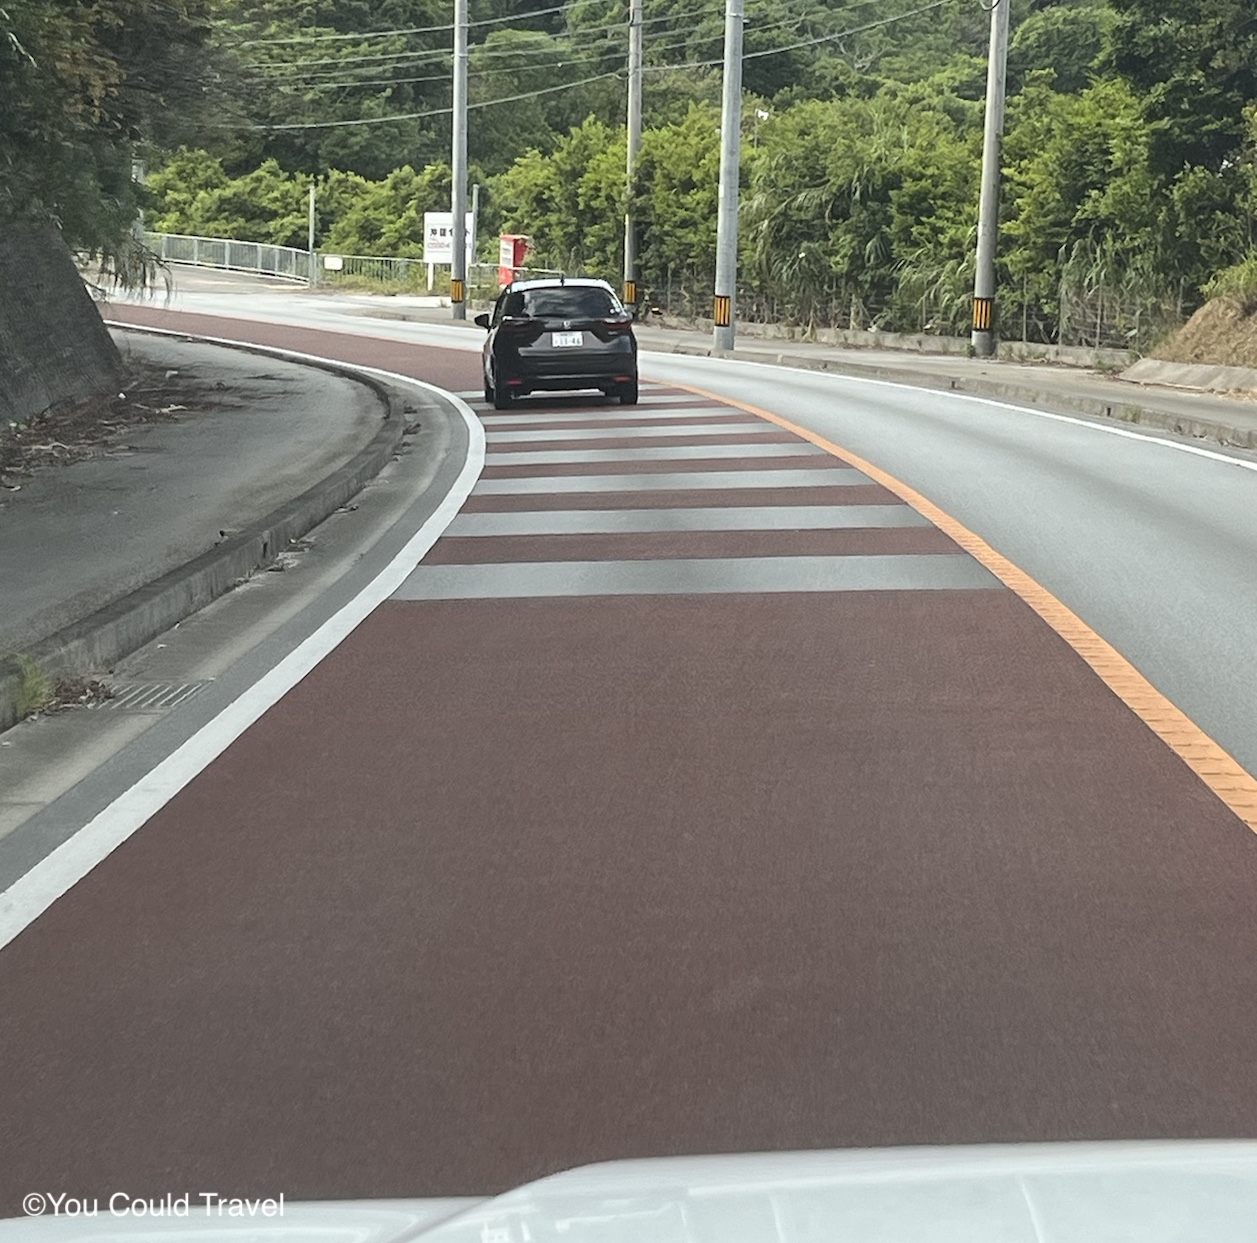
(1229, 781)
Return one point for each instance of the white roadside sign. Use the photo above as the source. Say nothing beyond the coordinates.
(438, 237)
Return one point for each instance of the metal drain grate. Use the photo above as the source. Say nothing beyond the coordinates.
(149, 696)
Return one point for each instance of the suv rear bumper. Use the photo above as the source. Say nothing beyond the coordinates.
(556, 383)
(551, 369)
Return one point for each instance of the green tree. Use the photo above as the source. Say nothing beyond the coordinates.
(1068, 39)
(175, 188)
(318, 84)
(679, 177)
(550, 199)
(864, 203)
(265, 205)
(383, 217)
(82, 87)
(1195, 66)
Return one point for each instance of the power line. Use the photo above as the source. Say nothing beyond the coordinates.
(343, 64)
(437, 112)
(578, 54)
(409, 30)
(340, 62)
(339, 66)
(813, 41)
(361, 37)
(843, 34)
(576, 57)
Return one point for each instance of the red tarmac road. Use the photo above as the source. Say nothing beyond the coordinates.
(572, 875)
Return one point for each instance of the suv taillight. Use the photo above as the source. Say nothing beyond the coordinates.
(615, 325)
(519, 331)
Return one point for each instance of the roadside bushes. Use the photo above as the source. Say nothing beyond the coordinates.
(857, 211)
(192, 193)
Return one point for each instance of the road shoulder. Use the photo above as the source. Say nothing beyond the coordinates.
(111, 552)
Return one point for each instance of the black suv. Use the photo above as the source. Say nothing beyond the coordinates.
(558, 333)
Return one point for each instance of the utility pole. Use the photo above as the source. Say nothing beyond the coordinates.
(634, 146)
(458, 161)
(475, 227)
(730, 155)
(983, 338)
(314, 265)
(139, 174)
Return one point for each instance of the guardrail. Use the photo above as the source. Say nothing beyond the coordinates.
(396, 273)
(383, 268)
(221, 252)
(292, 263)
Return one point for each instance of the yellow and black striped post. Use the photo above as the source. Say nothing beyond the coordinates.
(983, 314)
(458, 291)
(630, 293)
(722, 311)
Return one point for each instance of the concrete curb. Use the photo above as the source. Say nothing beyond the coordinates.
(1124, 411)
(103, 638)
(1201, 377)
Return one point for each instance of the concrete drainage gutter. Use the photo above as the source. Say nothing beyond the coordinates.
(1124, 411)
(100, 640)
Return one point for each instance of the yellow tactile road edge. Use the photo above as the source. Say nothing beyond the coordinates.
(1219, 770)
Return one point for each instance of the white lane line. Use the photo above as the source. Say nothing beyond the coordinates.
(652, 453)
(730, 518)
(32, 894)
(827, 477)
(670, 398)
(632, 433)
(610, 416)
(559, 404)
(699, 576)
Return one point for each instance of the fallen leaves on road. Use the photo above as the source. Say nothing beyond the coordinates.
(75, 692)
(74, 430)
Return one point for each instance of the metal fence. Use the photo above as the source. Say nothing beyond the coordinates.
(221, 252)
(390, 272)
(409, 273)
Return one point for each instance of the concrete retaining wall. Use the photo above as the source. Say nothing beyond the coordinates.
(53, 345)
(1212, 377)
(927, 343)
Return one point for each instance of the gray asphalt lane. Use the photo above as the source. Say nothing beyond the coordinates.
(1154, 547)
(263, 437)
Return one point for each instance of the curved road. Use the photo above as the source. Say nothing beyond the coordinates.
(694, 793)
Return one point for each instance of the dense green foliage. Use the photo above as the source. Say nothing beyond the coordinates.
(81, 84)
(356, 216)
(1128, 170)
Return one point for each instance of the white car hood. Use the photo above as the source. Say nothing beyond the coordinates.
(1155, 1192)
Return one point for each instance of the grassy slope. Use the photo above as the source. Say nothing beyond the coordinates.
(1222, 332)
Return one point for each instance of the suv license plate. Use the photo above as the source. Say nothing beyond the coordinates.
(561, 339)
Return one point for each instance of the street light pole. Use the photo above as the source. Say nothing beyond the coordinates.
(730, 155)
(458, 161)
(634, 146)
(983, 338)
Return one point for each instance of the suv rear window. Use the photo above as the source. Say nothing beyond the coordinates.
(561, 302)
